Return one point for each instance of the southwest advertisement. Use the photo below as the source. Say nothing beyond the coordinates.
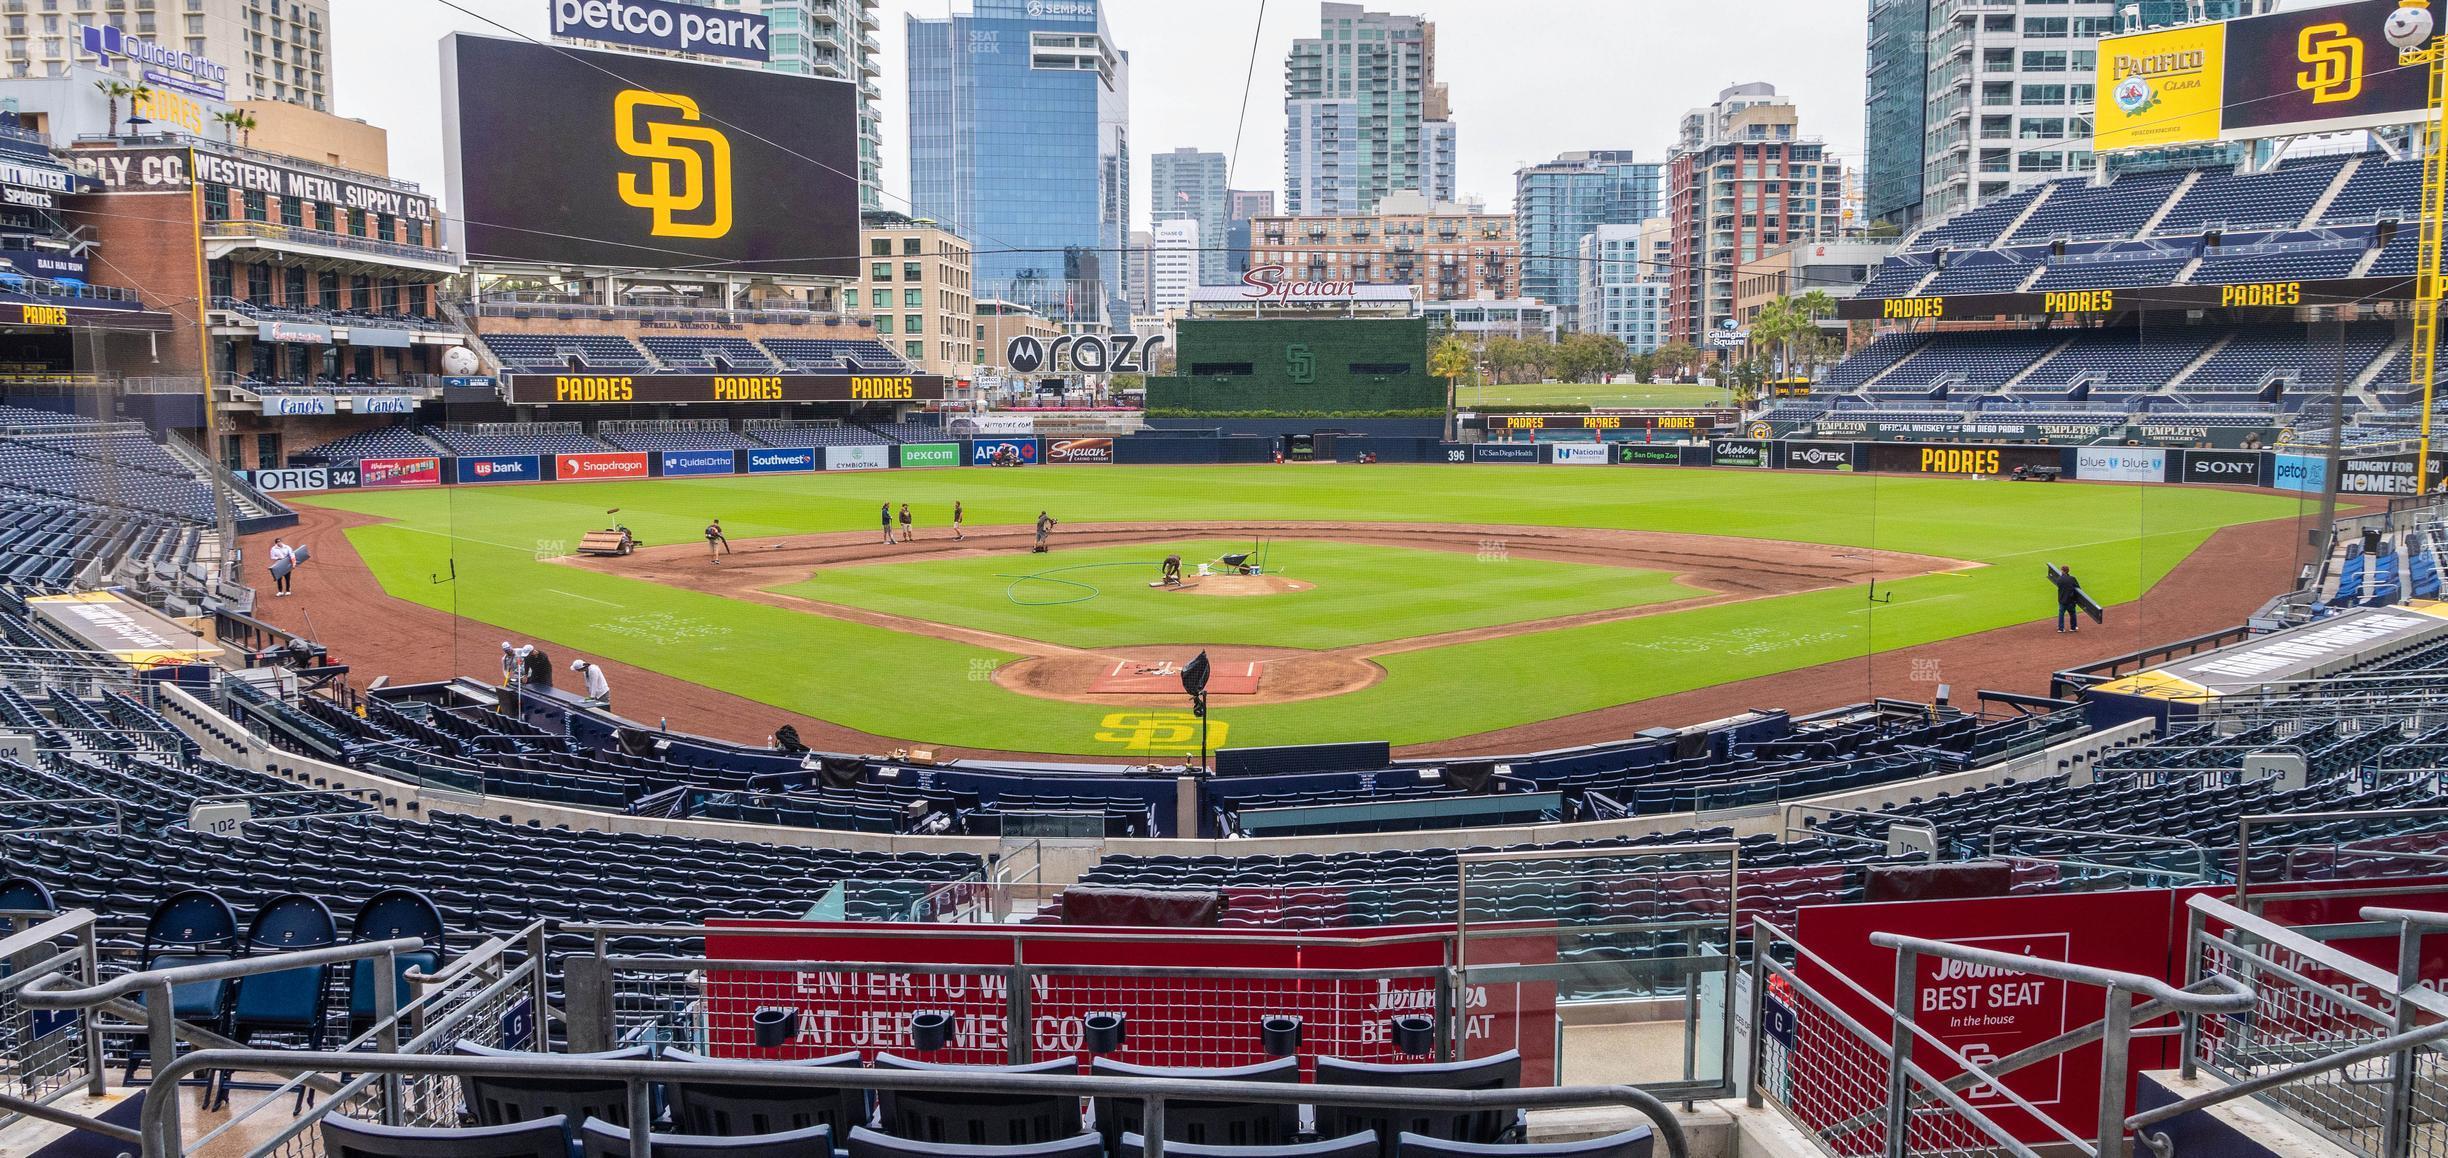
(792, 460)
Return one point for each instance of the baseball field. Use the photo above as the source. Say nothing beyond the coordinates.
(1415, 604)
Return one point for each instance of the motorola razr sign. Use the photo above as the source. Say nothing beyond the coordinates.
(671, 27)
(1090, 353)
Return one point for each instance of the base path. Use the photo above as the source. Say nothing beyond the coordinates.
(341, 604)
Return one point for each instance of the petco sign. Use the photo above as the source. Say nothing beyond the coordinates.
(657, 24)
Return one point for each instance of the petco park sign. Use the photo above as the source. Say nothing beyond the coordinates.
(657, 24)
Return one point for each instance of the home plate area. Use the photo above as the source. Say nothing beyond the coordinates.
(1140, 677)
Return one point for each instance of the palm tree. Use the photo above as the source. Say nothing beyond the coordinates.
(236, 121)
(1450, 360)
(112, 90)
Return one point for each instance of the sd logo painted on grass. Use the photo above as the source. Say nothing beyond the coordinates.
(1159, 733)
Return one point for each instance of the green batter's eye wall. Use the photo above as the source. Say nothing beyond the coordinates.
(1343, 366)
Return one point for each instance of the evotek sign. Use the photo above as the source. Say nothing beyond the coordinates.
(1090, 353)
(688, 170)
(671, 27)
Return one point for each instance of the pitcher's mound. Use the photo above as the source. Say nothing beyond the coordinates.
(1240, 585)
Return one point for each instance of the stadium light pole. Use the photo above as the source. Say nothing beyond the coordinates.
(2412, 30)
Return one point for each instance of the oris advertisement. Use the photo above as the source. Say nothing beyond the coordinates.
(682, 463)
(500, 469)
(792, 460)
(2235, 467)
(1818, 455)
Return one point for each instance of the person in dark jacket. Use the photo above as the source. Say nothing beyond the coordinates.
(2069, 600)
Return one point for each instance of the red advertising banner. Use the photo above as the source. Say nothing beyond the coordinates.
(1985, 1014)
(399, 472)
(1170, 1021)
(592, 467)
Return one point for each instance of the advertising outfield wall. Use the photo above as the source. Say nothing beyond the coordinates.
(2389, 474)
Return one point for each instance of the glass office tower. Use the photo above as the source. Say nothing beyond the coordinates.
(1019, 140)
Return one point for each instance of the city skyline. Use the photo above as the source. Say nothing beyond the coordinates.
(1188, 90)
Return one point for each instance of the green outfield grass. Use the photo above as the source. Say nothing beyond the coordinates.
(1592, 394)
(2120, 539)
(1099, 596)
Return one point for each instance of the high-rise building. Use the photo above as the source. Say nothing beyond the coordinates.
(915, 286)
(1189, 183)
(828, 38)
(1173, 267)
(1557, 203)
(1019, 140)
(276, 50)
(1620, 294)
(1742, 180)
(1364, 114)
(1139, 269)
(1449, 251)
(1964, 103)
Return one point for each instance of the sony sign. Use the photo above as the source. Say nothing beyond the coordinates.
(668, 26)
(1266, 283)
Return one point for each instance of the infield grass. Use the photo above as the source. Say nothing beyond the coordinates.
(2119, 539)
(1099, 596)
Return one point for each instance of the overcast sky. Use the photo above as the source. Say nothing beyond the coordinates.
(1529, 78)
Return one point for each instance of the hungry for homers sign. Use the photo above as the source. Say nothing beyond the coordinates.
(1172, 1021)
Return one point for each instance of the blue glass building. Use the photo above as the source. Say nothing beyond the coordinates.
(1019, 140)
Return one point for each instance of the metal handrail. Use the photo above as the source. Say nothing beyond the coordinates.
(2238, 999)
(159, 1122)
(42, 996)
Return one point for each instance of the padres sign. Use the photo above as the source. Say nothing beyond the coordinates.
(567, 157)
